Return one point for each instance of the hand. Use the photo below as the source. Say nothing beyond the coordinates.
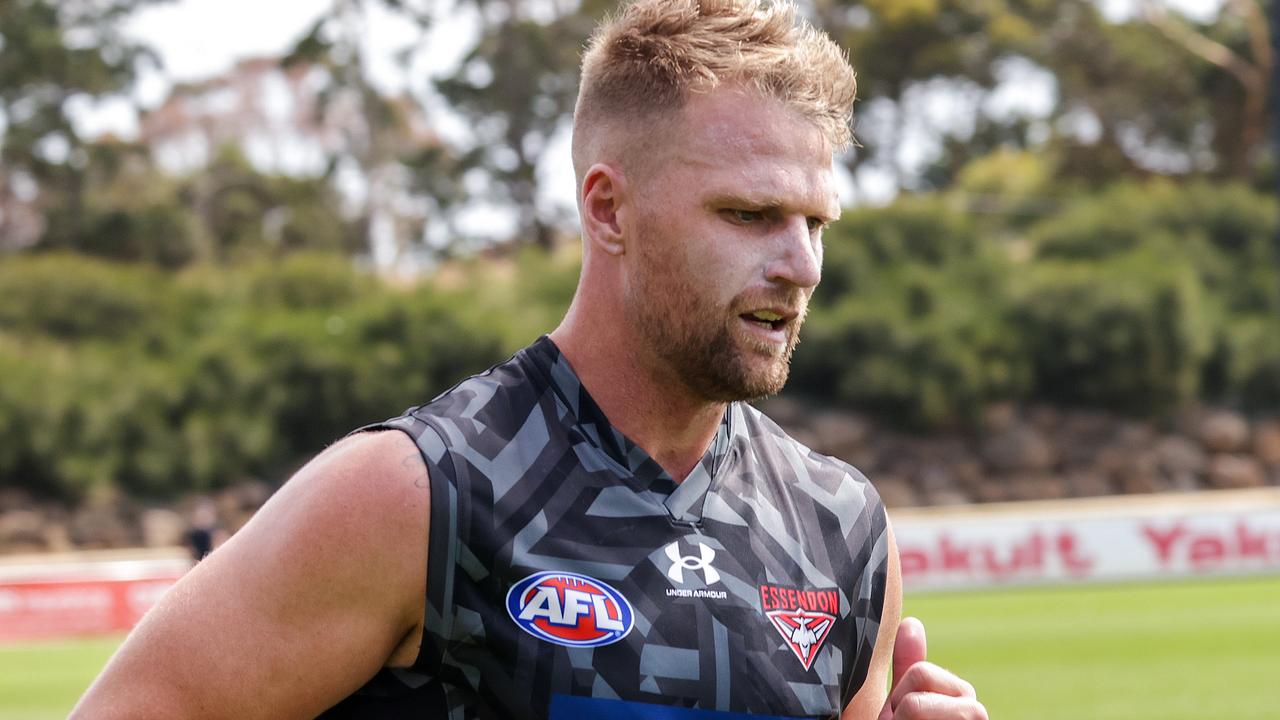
(922, 690)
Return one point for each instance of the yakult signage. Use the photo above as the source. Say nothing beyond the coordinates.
(80, 598)
(1229, 533)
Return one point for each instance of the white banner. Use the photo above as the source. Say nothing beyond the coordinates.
(1130, 538)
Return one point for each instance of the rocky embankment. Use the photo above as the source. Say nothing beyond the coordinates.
(1045, 453)
(1038, 453)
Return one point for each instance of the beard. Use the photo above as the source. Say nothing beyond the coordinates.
(700, 344)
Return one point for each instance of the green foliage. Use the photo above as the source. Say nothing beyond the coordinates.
(911, 319)
(1195, 267)
(70, 298)
(130, 377)
(1142, 298)
(1130, 332)
(124, 377)
(127, 210)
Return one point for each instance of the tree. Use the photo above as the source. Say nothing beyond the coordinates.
(1244, 24)
(53, 54)
(408, 175)
(1132, 96)
(517, 88)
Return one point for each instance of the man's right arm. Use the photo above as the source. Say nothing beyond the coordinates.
(325, 585)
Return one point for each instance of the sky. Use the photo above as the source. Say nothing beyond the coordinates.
(198, 39)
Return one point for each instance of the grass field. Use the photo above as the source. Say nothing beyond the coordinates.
(1192, 650)
(44, 680)
(1181, 651)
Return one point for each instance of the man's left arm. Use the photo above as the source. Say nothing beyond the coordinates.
(921, 690)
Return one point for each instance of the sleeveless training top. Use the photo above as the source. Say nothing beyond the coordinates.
(570, 577)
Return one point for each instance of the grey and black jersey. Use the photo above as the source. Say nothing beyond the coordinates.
(569, 576)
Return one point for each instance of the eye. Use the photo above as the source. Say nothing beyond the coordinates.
(816, 224)
(745, 217)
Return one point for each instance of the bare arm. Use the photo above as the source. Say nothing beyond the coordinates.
(320, 589)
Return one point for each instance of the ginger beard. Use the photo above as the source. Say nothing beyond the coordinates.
(701, 342)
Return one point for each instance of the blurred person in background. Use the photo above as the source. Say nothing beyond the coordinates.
(205, 533)
(600, 526)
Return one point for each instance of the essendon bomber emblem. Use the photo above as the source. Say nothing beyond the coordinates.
(803, 618)
(570, 609)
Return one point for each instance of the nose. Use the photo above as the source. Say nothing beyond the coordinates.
(798, 260)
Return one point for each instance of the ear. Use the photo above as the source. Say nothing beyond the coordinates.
(603, 192)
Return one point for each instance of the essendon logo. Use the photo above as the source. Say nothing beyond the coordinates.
(775, 597)
(803, 618)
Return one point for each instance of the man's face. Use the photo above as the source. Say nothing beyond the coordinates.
(727, 243)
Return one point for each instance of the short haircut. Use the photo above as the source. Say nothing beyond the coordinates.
(642, 63)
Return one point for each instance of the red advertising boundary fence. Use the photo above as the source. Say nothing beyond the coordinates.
(1149, 537)
(82, 594)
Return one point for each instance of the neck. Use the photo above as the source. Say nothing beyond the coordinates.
(655, 411)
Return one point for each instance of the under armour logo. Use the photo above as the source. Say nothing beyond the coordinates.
(688, 562)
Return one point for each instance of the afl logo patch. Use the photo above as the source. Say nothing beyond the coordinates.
(570, 609)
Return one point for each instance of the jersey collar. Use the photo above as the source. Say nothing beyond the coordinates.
(683, 501)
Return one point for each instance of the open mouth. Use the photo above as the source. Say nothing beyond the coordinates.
(766, 319)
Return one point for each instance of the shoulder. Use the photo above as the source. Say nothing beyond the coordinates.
(299, 608)
(474, 402)
(771, 442)
(381, 465)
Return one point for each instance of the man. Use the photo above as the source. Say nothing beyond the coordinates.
(597, 527)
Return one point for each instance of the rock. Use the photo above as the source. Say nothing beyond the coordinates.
(896, 492)
(1224, 432)
(999, 417)
(1181, 463)
(22, 530)
(992, 490)
(1139, 483)
(12, 498)
(1111, 461)
(1236, 471)
(1036, 487)
(785, 411)
(1088, 483)
(1266, 442)
(969, 474)
(866, 460)
(837, 433)
(99, 526)
(57, 538)
(935, 478)
(1019, 449)
(948, 496)
(1046, 419)
(162, 528)
(1141, 473)
(1135, 435)
(1176, 455)
(248, 495)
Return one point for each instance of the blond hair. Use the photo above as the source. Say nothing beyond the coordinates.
(642, 63)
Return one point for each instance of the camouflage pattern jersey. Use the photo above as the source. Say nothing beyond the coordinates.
(569, 576)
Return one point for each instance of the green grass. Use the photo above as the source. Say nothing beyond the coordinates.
(1175, 651)
(43, 680)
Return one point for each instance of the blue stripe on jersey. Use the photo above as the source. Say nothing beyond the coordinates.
(569, 707)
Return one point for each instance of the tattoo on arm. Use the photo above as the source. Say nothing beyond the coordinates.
(416, 464)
